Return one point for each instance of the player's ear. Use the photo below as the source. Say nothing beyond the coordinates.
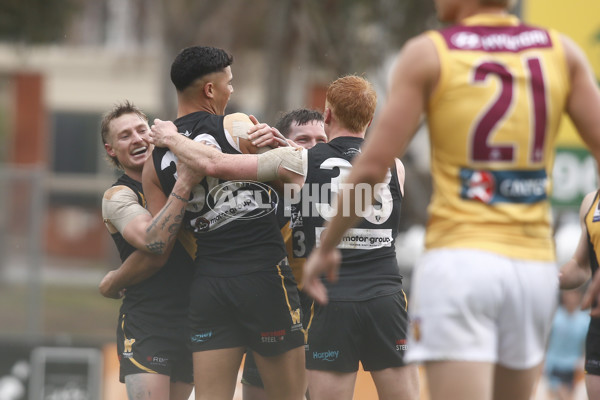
(109, 150)
(327, 115)
(209, 90)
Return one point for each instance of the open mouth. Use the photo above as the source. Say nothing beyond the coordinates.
(139, 150)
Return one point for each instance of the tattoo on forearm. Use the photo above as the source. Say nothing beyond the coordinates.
(174, 227)
(157, 247)
(178, 197)
(167, 218)
(158, 217)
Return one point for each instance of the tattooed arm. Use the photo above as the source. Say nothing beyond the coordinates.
(153, 237)
(168, 210)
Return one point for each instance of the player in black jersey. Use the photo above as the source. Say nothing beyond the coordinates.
(579, 270)
(155, 362)
(303, 127)
(366, 318)
(242, 294)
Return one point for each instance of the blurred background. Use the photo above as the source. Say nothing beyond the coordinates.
(63, 63)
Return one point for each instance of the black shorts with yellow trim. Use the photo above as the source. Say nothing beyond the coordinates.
(342, 333)
(250, 374)
(154, 347)
(259, 310)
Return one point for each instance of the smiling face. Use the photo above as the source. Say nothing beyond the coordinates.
(128, 142)
(307, 135)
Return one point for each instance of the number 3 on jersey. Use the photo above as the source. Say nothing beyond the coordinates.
(376, 214)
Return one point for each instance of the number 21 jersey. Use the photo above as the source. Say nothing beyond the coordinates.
(493, 119)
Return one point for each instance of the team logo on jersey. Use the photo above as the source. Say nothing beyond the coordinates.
(504, 186)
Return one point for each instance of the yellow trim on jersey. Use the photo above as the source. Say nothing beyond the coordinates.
(593, 228)
(405, 300)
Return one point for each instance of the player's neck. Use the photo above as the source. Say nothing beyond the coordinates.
(341, 132)
(187, 105)
(469, 12)
(134, 174)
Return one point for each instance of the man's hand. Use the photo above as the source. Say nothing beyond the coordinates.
(320, 263)
(262, 135)
(162, 132)
(106, 287)
(591, 299)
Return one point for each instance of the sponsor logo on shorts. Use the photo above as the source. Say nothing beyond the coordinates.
(329, 355)
(515, 187)
(161, 361)
(273, 336)
(201, 337)
(401, 345)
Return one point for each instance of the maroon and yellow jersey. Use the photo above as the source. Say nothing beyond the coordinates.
(493, 120)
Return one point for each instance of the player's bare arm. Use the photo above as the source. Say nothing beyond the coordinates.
(284, 163)
(577, 271)
(137, 225)
(583, 102)
(139, 266)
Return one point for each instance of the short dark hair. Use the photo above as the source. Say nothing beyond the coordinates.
(195, 62)
(118, 110)
(301, 116)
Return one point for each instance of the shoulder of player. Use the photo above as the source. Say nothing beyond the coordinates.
(574, 55)
(417, 61)
(236, 118)
(587, 202)
(116, 191)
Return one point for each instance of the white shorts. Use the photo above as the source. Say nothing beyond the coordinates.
(472, 305)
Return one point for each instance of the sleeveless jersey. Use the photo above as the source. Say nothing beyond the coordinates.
(165, 295)
(592, 225)
(233, 222)
(369, 266)
(493, 120)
